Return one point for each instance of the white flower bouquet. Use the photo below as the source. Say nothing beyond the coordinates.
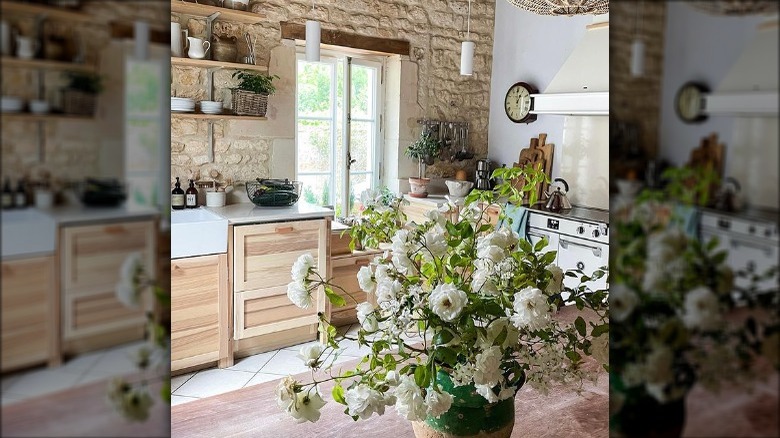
(450, 304)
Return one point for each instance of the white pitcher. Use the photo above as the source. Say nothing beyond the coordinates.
(198, 48)
(176, 40)
(5, 38)
(26, 47)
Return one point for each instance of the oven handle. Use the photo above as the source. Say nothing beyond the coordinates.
(735, 243)
(596, 250)
(542, 235)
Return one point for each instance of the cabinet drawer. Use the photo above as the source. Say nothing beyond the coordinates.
(264, 311)
(345, 271)
(264, 254)
(92, 255)
(198, 310)
(97, 313)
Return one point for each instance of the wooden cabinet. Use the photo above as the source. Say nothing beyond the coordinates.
(263, 256)
(416, 209)
(92, 256)
(29, 319)
(344, 274)
(199, 311)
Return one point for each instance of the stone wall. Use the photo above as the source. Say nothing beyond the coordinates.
(246, 150)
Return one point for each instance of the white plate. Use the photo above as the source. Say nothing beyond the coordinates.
(182, 110)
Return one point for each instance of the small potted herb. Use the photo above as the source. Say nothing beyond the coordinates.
(80, 95)
(424, 150)
(250, 97)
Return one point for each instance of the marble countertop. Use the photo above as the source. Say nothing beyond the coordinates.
(248, 213)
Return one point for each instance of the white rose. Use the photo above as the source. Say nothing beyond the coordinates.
(531, 309)
(658, 365)
(487, 392)
(366, 280)
(285, 393)
(447, 301)
(364, 401)
(310, 355)
(437, 402)
(506, 392)
(437, 216)
(494, 329)
(381, 273)
(702, 310)
(491, 252)
(300, 269)
(127, 294)
(307, 406)
(435, 242)
(132, 266)
(556, 282)
(403, 263)
(299, 295)
(622, 302)
(506, 237)
(392, 378)
(463, 374)
(366, 317)
(487, 367)
(400, 242)
(481, 283)
(633, 375)
(410, 403)
(387, 292)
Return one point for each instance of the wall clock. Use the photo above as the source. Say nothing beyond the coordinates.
(518, 103)
(689, 102)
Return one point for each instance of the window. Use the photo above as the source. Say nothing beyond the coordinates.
(330, 163)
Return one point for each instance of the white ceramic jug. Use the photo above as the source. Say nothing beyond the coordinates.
(198, 48)
(5, 38)
(176, 40)
(26, 47)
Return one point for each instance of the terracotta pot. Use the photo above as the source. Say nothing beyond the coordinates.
(419, 187)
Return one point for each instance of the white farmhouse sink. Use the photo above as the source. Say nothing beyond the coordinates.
(197, 232)
(27, 232)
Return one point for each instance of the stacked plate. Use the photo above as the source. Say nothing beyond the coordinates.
(182, 104)
(10, 104)
(210, 107)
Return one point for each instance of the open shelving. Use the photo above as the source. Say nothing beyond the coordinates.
(44, 117)
(199, 10)
(12, 7)
(45, 64)
(226, 115)
(208, 63)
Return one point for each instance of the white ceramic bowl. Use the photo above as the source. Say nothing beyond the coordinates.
(215, 199)
(39, 106)
(10, 104)
(459, 189)
(628, 187)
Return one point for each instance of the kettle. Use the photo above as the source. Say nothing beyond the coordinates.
(729, 197)
(557, 200)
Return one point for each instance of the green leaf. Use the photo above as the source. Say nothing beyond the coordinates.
(540, 244)
(335, 299)
(446, 355)
(338, 394)
(579, 323)
(573, 356)
(165, 390)
(599, 330)
(421, 377)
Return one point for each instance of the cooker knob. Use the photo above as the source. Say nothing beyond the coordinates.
(752, 229)
(581, 230)
(580, 266)
(768, 232)
(596, 233)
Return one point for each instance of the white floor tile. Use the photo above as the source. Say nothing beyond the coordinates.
(263, 377)
(254, 363)
(116, 362)
(212, 382)
(285, 362)
(296, 348)
(177, 381)
(83, 362)
(9, 380)
(8, 399)
(179, 399)
(352, 348)
(42, 381)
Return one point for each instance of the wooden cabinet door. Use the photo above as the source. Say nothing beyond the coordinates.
(263, 257)
(28, 292)
(92, 255)
(345, 269)
(98, 312)
(199, 318)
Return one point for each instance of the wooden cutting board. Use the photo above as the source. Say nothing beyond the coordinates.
(710, 153)
(537, 153)
(547, 149)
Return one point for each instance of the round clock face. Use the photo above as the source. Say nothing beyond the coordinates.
(688, 103)
(517, 103)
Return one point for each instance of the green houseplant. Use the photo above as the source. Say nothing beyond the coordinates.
(424, 150)
(250, 96)
(80, 95)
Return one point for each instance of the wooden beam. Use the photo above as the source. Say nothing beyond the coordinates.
(294, 31)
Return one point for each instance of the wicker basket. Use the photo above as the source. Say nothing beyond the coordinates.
(247, 103)
(78, 102)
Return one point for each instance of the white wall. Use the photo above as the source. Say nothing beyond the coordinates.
(532, 48)
(703, 47)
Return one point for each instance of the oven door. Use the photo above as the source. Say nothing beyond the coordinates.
(747, 253)
(535, 235)
(586, 255)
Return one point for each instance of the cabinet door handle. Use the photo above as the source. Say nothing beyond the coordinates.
(114, 229)
(283, 230)
(362, 262)
(540, 235)
(178, 270)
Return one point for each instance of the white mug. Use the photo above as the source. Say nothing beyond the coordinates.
(26, 47)
(198, 48)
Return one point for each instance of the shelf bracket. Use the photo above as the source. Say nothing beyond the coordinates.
(211, 140)
(41, 142)
(210, 82)
(209, 23)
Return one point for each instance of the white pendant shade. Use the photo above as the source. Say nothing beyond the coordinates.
(467, 58)
(312, 41)
(637, 58)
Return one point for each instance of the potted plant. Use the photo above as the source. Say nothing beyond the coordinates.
(424, 150)
(250, 97)
(80, 95)
(460, 317)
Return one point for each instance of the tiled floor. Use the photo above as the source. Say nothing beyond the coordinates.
(263, 367)
(80, 370)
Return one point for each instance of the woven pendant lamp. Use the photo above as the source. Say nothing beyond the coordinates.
(563, 7)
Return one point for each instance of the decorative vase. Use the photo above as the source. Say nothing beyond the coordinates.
(469, 416)
(419, 187)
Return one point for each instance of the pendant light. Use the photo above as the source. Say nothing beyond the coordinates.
(637, 49)
(467, 50)
(312, 38)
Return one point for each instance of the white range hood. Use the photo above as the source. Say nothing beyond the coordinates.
(581, 86)
(751, 86)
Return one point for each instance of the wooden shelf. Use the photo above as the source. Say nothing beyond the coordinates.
(10, 7)
(45, 64)
(188, 8)
(207, 63)
(226, 115)
(43, 117)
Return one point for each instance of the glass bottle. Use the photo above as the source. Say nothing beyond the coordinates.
(177, 196)
(192, 196)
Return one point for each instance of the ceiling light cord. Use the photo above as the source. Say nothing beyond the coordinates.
(468, 23)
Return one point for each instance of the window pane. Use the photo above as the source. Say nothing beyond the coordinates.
(357, 185)
(363, 92)
(362, 146)
(316, 189)
(314, 151)
(314, 92)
